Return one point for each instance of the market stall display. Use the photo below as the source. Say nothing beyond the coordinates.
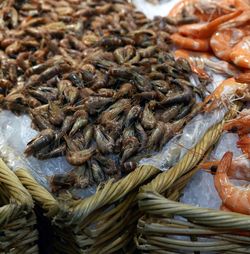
(220, 181)
(113, 98)
(103, 89)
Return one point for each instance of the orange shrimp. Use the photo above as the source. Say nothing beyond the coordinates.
(242, 4)
(235, 198)
(178, 8)
(243, 77)
(204, 10)
(241, 20)
(244, 144)
(190, 43)
(240, 124)
(226, 89)
(240, 54)
(240, 168)
(224, 208)
(223, 40)
(205, 30)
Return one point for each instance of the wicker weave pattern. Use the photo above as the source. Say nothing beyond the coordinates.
(221, 232)
(106, 221)
(111, 193)
(104, 227)
(17, 220)
(39, 193)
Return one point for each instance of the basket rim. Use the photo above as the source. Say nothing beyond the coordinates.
(151, 194)
(163, 180)
(76, 212)
(19, 199)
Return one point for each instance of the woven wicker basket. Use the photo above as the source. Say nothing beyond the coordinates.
(204, 230)
(102, 223)
(106, 221)
(18, 234)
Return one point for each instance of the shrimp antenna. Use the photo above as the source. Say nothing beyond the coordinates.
(229, 100)
(238, 98)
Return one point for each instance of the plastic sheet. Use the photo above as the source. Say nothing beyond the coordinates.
(15, 133)
(178, 146)
(152, 10)
(200, 191)
(192, 133)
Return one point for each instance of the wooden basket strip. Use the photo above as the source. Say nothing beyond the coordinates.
(39, 193)
(107, 218)
(182, 245)
(17, 220)
(8, 212)
(129, 220)
(65, 241)
(164, 180)
(115, 245)
(17, 192)
(159, 244)
(158, 205)
(173, 228)
(111, 192)
(124, 222)
(238, 251)
(119, 219)
(166, 245)
(180, 183)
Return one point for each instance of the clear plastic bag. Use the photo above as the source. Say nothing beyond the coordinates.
(15, 133)
(176, 148)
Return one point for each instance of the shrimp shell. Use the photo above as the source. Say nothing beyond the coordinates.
(104, 142)
(148, 120)
(235, 198)
(80, 157)
(44, 138)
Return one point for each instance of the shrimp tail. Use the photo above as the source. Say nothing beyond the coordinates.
(244, 145)
(224, 91)
(243, 77)
(225, 163)
(205, 31)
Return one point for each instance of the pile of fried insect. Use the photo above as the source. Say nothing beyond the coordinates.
(218, 38)
(97, 79)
